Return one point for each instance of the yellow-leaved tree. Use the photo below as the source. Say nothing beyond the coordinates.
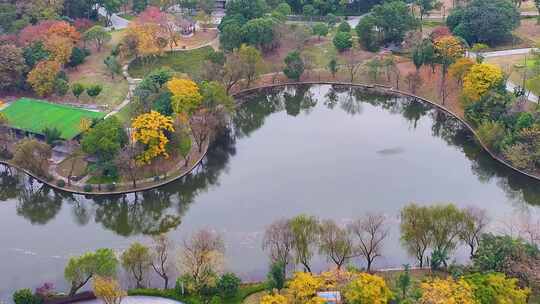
(274, 299)
(150, 130)
(460, 68)
(448, 291)
(85, 124)
(303, 288)
(108, 290)
(448, 49)
(480, 79)
(367, 289)
(186, 95)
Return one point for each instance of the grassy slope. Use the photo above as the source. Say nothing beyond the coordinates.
(189, 62)
(94, 71)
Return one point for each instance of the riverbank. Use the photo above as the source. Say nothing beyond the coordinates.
(180, 172)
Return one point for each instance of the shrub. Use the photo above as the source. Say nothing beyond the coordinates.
(51, 135)
(88, 188)
(185, 285)
(60, 183)
(343, 41)
(344, 27)
(519, 156)
(94, 90)
(25, 296)
(525, 120)
(61, 87)
(294, 66)
(228, 284)
(276, 276)
(492, 134)
(77, 89)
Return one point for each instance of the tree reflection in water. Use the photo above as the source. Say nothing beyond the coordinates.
(162, 209)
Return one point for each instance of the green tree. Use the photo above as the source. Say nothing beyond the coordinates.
(335, 243)
(94, 90)
(113, 66)
(404, 281)
(252, 62)
(228, 285)
(393, 19)
(446, 224)
(111, 7)
(344, 27)
(305, 234)
(427, 6)
(343, 41)
(333, 67)
(309, 11)
(320, 29)
(249, 9)
(284, 9)
(98, 35)
(160, 76)
(259, 32)
(276, 277)
(77, 89)
(491, 288)
(415, 231)
(484, 21)
(495, 252)
(294, 66)
(25, 296)
(80, 270)
(35, 53)
(105, 139)
(137, 261)
(367, 35)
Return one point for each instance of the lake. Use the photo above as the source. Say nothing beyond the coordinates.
(333, 152)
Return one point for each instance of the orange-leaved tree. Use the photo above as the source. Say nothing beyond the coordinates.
(150, 129)
(43, 76)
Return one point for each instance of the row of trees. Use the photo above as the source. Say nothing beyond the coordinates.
(437, 228)
(295, 241)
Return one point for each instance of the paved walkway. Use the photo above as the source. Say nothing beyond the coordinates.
(117, 22)
(137, 300)
(509, 85)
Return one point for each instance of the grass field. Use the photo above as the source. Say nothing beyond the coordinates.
(189, 62)
(34, 115)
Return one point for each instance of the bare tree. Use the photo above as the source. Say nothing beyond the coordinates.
(474, 223)
(351, 64)
(160, 257)
(127, 163)
(335, 242)
(233, 70)
(201, 256)
(278, 240)
(371, 232)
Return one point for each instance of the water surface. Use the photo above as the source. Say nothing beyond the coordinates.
(332, 152)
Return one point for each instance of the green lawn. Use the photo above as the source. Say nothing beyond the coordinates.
(189, 62)
(34, 115)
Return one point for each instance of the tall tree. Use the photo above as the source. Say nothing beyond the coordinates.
(80, 270)
(137, 261)
(335, 243)
(370, 231)
(279, 241)
(415, 231)
(160, 258)
(11, 66)
(305, 233)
